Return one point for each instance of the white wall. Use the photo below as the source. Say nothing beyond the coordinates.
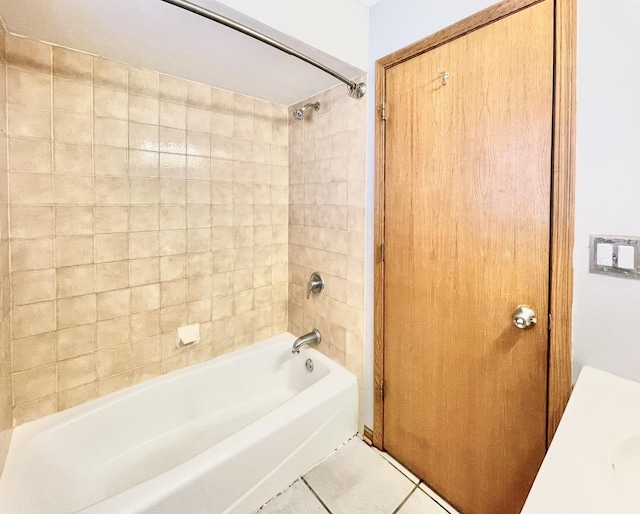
(337, 27)
(394, 24)
(606, 312)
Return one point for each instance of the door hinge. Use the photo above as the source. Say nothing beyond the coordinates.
(384, 111)
(549, 322)
(382, 252)
(381, 391)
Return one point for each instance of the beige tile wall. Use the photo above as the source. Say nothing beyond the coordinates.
(5, 294)
(326, 225)
(138, 202)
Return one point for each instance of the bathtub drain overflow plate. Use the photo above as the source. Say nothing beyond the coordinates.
(309, 365)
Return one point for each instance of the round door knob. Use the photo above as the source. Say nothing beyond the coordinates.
(524, 317)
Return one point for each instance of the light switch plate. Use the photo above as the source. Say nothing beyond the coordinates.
(617, 256)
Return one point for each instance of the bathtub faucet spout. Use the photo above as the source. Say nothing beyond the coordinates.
(312, 337)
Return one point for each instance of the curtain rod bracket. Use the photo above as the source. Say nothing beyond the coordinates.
(355, 90)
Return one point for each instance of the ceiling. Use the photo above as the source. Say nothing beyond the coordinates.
(162, 37)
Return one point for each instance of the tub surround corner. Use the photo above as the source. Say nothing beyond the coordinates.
(5, 443)
(6, 389)
(326, 225)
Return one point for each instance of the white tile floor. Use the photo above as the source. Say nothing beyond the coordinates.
(357, 479)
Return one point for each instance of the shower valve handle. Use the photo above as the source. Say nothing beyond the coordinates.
(315, 284)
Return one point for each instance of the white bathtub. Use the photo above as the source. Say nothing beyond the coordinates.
(221, 437)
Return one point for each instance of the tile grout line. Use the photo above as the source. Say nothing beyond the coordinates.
(404, 472)
(316, 495)
(415, 486)
(395, 464)
(437, 500)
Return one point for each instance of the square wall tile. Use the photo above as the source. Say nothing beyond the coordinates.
(35, 384)
(28, 54)
(72, 312)
(110, 74)
(76, 341)
(33, 352)
(33, 286)
(26, 88)
(69, 95)
(29, 156)
(76, 372)
(27, 121)
(72, 65)
(33, 319)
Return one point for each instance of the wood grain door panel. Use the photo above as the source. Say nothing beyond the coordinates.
(467, 230)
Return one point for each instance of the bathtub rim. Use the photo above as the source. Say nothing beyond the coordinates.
(343, 384)
(140, 496)
(61, 418)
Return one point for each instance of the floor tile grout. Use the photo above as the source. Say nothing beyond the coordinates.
(316, 495)
(395, 463)
(406, 499)
(438, 500)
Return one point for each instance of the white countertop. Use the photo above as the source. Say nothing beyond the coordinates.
(593, 463)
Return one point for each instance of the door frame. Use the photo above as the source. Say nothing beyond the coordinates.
(562, 198)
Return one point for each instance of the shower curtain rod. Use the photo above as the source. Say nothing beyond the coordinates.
(355, 90)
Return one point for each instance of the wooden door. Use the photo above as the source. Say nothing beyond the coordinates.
(467, 229)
